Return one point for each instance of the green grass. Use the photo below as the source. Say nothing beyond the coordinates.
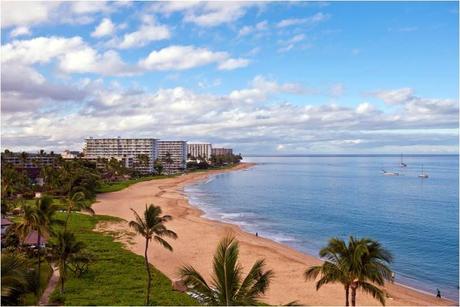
(45, 274)
(120, 185)
(117, 277)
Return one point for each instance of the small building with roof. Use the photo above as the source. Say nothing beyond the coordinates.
(32, 238)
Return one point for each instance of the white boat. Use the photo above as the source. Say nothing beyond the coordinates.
(423, 175)
(385, 173)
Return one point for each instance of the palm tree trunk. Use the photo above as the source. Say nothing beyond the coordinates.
(149, 277)
(39, 259)
(353, 296)
(69, 210)
(347, 290)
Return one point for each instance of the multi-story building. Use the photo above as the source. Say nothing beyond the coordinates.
(26, 160)
(203, 150)
(69, 155)
(138, 154)
(222, 151)
(172, 155)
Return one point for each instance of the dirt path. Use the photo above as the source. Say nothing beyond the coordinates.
(52, 283)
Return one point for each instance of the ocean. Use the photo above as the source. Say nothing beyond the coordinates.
(304, 201)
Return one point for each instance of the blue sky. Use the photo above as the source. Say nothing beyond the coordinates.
(262, 77)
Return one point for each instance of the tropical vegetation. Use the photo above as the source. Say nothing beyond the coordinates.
(152, 227)
(39, 217)
(361, 264)
(63, 248)
(228, 287)
(114, 274)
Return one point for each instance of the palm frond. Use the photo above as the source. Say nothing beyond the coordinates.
(312, 272)
(197, 285)
(227, 271)
(255, 284)
(163, 242)
(376, 292)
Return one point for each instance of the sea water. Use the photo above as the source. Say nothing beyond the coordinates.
(304, 201)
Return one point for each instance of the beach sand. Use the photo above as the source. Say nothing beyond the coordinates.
(198, 238)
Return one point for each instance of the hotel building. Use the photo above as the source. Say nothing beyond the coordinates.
(29, 160)
(126, 150)
(222, 151)
(173, 155)
(203, 150)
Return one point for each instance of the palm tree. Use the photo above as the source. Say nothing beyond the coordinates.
(14, 278)
(63, 248)
(152, 226)
(168, 160)
(158, 166)
(77, 201)
(228, 287)
(334, 269)
(359, 265)
(38, 217)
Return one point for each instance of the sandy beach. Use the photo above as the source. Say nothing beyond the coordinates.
(198, 238)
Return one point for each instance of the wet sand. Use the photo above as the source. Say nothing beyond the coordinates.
(198, 238)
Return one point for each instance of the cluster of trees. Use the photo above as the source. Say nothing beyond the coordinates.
(362, 263)
(21, 265)
(215, 161)
(63, 178)
(220, 160)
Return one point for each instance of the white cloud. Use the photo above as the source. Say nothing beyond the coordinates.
(19, 13)
(168, 7)
(308, 21)
(106, 27)
(31, 13)
(88, 60)
(291, 43)
(20, 31)
(148, 31)
(72, 54)
(261, 88)
(394, 96)
(365, 108)
(246, 30)
(205, 14)
(184, 114)
(25, 89)
(186, 57)
(85, 7)
(39, 49)
(215, 13)
(231, 64)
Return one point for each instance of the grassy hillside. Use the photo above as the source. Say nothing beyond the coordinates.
(117, 277)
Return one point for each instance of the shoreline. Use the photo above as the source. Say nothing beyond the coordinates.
(199, 235)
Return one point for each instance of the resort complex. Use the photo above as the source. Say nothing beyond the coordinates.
(142, 154)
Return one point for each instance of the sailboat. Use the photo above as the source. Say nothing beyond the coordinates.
(402, 164)
(423, 175)
(385, 173)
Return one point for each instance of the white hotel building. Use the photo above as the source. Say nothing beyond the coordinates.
(177, 152)
(203, 150)
(125, 150)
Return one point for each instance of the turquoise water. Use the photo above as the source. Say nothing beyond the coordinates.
(303, 201)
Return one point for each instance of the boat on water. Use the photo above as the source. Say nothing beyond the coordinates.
(385, 173)
(402, 164)
(423, 175)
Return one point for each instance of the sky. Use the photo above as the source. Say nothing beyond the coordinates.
(260, 77)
